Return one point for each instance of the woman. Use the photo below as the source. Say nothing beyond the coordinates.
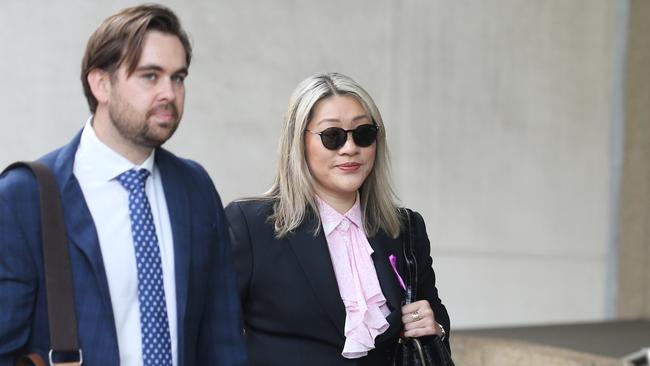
(312, 254)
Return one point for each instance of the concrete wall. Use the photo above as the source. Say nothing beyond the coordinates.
(634, 234)
(499, 116)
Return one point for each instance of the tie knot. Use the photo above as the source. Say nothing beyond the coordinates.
(133, 180)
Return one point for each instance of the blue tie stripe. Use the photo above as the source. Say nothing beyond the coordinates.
(156, 343)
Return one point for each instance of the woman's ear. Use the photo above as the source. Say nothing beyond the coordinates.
(100, 85)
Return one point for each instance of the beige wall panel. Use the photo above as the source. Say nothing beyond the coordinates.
(634, 230)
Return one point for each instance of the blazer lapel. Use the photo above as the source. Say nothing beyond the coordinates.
(78, 220)
(179, 217)
(383, 247)
(314, 258)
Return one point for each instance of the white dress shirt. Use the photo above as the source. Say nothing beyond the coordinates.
(96, 167)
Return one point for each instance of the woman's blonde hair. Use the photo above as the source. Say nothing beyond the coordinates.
(292, 190)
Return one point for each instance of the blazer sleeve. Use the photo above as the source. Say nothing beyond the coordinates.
(18, 272)
(221, 340)
(242, 250)
(427, 277)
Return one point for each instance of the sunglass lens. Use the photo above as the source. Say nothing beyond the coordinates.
(333, 138)
(365, 135)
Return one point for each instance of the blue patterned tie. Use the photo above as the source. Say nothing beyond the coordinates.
(156, 344)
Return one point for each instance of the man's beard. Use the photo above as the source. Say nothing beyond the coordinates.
(134, 127)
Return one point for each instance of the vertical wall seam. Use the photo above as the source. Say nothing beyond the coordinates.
(617, 145)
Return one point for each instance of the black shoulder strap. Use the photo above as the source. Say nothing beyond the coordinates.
(58, 277)
(409, 258)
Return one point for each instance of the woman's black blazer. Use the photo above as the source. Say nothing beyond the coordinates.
(293, 312)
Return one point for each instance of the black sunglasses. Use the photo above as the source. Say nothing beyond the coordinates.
(334, 138)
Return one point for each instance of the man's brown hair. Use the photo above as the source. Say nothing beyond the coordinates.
(119, 40)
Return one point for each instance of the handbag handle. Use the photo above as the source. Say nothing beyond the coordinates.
(410, 260)
(56, 259)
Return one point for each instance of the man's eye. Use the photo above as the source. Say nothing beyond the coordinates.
(178, 79)
(150, 77)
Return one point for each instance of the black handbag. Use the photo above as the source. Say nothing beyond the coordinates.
(428, 351)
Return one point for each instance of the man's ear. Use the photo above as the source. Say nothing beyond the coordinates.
(100, 85)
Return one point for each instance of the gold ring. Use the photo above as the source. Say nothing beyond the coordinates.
(415, 316)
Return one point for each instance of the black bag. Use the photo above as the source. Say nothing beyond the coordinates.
(412, 352)
(428, 351)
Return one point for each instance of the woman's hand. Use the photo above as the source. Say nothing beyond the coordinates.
(419, 320)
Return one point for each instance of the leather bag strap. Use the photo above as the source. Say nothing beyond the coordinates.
(410, 259)
(58, 277)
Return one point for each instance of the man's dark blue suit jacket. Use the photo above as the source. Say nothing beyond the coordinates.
(209, 316)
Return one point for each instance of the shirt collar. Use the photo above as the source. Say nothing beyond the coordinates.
(331, 219)
(106, 163)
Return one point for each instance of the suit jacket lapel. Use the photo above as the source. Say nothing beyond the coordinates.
(383, 247)
(314, 258)
(78, 220)
(179, 217)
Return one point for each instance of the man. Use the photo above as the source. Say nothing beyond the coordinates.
(148, 242)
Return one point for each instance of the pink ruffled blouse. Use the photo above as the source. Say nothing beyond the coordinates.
(365, 304)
